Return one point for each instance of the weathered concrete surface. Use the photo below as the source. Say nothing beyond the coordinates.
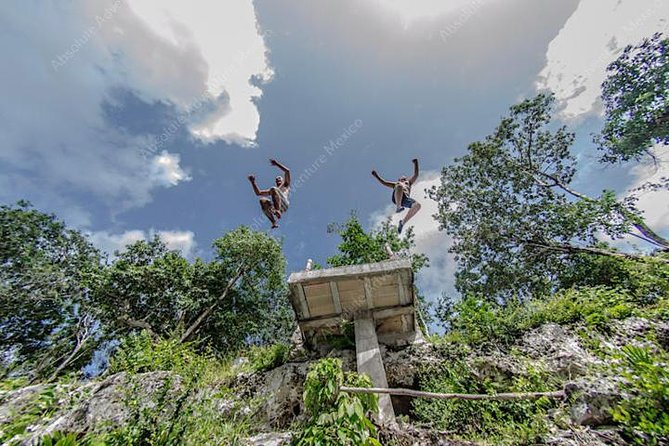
(369, 362)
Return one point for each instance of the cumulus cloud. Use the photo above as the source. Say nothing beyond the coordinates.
(68, 59)
(165, 169)
(440, 276)
(183, 241)
(229, 61)
(592, 38)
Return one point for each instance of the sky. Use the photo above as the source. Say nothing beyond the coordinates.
(131, 118)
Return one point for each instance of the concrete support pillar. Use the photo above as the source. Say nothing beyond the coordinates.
(369, 362)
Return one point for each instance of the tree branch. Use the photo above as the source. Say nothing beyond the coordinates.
(572, 249)
(190, 331)
(462, 396)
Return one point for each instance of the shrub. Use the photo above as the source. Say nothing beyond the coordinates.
(500, 422)
(263, 358)
(645, 414)
(337, 418)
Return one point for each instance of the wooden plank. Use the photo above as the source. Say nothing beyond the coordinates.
(392, 312)
(402, 289)
(304, 308)
(335, 296)
(321, 322)
(368, 293)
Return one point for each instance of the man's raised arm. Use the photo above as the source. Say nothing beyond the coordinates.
(286, 171)
(257, 191)
(415, 171)
(382, 181)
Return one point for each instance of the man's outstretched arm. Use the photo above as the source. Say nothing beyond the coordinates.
(382, 181)
(258, 192)
(286, 171)
(415, 171)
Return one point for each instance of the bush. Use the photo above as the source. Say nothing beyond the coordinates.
(265, 358)
(475, 321)
(337, 418)
(500, 422)
(645, 414)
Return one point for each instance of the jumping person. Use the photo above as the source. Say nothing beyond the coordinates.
(402, 194)
(278, 203)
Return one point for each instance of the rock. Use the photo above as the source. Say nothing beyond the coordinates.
(270, 439)
(592, 401)
(560, 351)
(403, 365)
(282, 390)
(586, 437)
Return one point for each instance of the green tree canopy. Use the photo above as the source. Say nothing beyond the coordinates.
(515, 219)
(45, 311)
(358, 247)
(636, 99)
(236, 298)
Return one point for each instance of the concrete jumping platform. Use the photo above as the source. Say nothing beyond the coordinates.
(377, 297)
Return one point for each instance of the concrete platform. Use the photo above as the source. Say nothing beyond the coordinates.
(324, 300)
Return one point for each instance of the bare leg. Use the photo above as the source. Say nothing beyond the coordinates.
(413, 211)
(267, 209)
(398, 193)
(276, 201)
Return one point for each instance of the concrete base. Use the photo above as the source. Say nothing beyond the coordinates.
(369, 362)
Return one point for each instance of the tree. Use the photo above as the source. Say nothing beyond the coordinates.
(358, 247)
(636, 100)
(45, 310)
(236, 298)
(515, 219)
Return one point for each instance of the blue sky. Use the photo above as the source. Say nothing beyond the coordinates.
(132, 118)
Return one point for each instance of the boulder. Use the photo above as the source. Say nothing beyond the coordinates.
(560, 351)
(270, 439)
(592, 400)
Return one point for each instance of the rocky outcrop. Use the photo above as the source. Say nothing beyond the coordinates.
(559, 350)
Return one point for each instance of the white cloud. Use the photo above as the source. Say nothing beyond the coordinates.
(413, 11)
(183, 241)
(592, 38)
(654, 204)
(224, 34)
(68, 59)
(165, 169)
(440, 276)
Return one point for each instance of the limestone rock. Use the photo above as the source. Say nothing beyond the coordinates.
(560, 351)
(592, 401)
(270, 439)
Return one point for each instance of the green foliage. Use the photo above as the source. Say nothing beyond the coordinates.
(220, 304)
(140, 353)
(515, 220)
(636, 100)
(41, 405)
(475, 321)
(644, 415)
(499, 422)
(268, 357)
(44, 305)
(337, 418)
(358, 247)
(70, 439)
(178, 413)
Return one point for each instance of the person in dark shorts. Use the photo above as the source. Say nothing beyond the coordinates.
(402, 194)
(277, 203)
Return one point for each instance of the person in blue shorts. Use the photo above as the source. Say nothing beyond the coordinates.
(402, 194)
